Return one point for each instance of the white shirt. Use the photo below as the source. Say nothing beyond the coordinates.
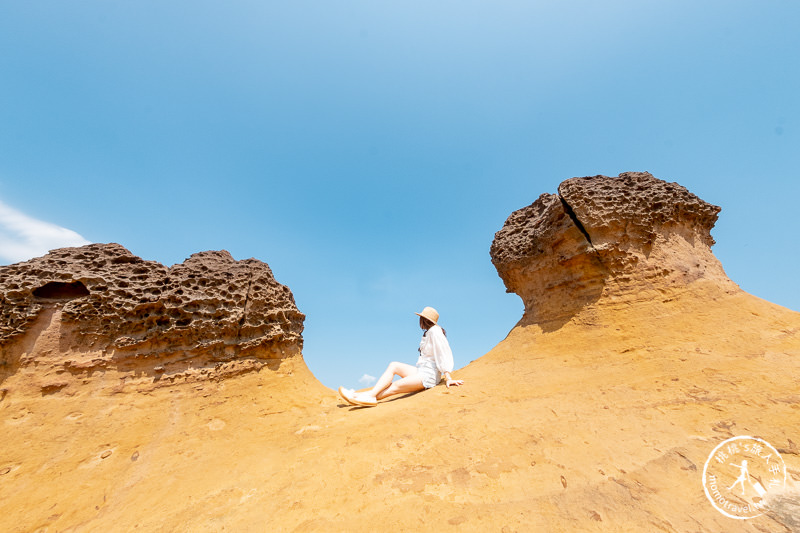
(434, 346)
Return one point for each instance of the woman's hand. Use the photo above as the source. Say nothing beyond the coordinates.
(454, 382)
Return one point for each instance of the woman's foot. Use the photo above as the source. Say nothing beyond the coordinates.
(347, 395)
(364, 400)
(357, 398)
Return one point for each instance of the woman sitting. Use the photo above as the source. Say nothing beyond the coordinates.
(435, 362)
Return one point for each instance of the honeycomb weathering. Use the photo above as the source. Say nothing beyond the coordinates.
(206, 317)
(603, 237)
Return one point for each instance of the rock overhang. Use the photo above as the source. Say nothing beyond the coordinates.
(606, 238)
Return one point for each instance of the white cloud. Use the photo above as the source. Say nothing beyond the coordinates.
(23, 237)
(367, 380)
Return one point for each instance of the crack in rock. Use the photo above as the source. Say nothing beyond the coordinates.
(575, 220)
(246, 300)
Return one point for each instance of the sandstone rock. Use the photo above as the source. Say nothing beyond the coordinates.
(602, 422)
(205, 318)
(617, 238)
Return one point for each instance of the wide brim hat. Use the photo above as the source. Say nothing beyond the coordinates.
(430, 313)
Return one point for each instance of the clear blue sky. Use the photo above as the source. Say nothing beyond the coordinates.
(368, 151)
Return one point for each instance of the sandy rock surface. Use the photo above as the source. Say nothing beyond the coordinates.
(595, 415)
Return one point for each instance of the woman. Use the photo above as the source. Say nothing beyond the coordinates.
(435, 362)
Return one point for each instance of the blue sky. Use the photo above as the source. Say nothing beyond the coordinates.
(368, 151)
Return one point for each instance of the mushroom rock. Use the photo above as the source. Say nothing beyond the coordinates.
(77, 314)
(637, 355)
(606, 240)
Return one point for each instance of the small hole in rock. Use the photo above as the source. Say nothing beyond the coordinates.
(59, 290)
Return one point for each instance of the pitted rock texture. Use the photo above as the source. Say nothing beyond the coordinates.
(600, 237)
(104, 308)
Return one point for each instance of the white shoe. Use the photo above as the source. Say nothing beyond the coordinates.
(363, 400)
(347, 395)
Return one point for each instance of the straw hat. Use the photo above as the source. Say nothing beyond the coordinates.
(430, 313)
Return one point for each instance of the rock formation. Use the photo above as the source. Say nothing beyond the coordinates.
(106, 311)
(635, 359)
(622, 238)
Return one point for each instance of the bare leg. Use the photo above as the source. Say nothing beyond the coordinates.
(402, 386)
(409, 381)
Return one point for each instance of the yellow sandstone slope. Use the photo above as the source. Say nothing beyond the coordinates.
(635, 358)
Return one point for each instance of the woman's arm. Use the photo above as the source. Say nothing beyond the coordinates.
(443, 356)
(448, 380)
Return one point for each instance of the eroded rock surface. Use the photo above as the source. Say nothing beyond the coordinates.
(101, 308)
(603, 424)
(604, 237)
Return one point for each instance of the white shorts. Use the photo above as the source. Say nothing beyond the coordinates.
(427, 371)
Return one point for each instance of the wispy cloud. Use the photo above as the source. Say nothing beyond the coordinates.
(23, 237)
(367, 380)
